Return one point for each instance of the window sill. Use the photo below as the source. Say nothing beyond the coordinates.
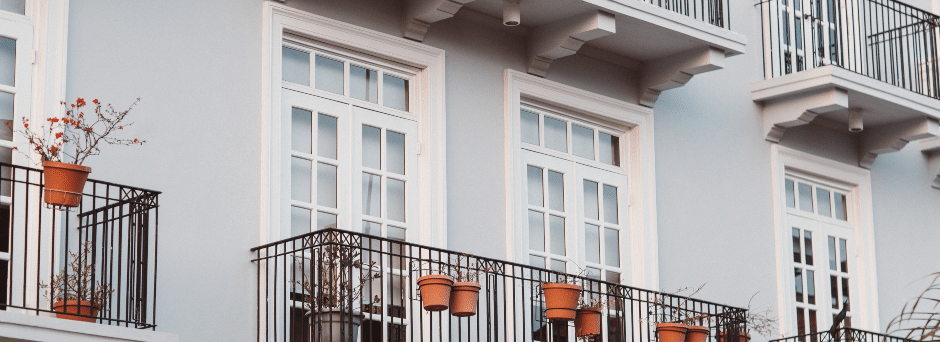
(21, 327)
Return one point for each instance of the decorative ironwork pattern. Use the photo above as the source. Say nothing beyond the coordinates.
(114, 225)
(844, 335)
(331, 285)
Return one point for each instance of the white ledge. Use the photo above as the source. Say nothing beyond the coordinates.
(29, 327)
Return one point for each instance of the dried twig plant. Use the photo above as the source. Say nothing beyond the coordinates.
(663, 312)
(920, 317)
(763, 322)
(76, 281)
(335, 286)
(464, 271)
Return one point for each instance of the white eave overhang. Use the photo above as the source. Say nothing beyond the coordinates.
(892, 116)
(667, 48)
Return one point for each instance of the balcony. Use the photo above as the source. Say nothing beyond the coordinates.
(112, 238)
(665, 42)
(297, 276)
(869, 67)
(843, 335)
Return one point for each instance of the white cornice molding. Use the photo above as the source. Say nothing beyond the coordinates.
(420, 14)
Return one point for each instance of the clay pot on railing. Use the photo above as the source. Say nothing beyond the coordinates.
(71, 308)
(435, 291)
(587, 322)
(561, 300)
(64, 183)
(463, 299)
(696, 334)
(671, 332)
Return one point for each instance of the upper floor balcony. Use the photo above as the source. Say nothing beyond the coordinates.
(665, 42)
(336, 285)
(869, 67)
(89, 271)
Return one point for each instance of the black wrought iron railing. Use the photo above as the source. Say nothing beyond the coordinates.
(336, 285)
(713, 12)
(843, 335)
(105, 249)
(882, 39)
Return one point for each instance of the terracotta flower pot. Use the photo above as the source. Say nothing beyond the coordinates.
(588, 322)
(64, 183)
(70, 308)
(435, 291)
(742, 337)
(696, 334)
(335, 325)
(561, 300)
(463, 299)
(671, 332)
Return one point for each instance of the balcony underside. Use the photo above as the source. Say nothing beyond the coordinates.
(892, 116)
(668, 41)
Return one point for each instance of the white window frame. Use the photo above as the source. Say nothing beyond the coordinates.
(427, 106)
(638, 164)
(857, 182)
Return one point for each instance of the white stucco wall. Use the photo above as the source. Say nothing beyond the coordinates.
(196, 66)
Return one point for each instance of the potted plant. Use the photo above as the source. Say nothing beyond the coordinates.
(328, 299)
(465, 293)
(75, 131)
(920, 317)
(762, 322)
(587, 321)
(73, 292)
(435, 289)
(672, 322)
(561, 297)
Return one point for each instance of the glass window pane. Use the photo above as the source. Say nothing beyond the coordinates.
(326, 136)
(822, 202)
(832, 253)
(812, 325)
(329, 75)
(797, 251)
(800, 323)
(791, 198)
(845, 294)
(556, 134)
(326, 220)
(608, 149)
(808, 243)
(371, 147)
(592, 273)
(395, 233)
(371, 228)
(582, 141)
(15, 6)
(363, 84)
(396, 200)
(299, 221)
(610, 204)
(612, 247)
(834, 291)
(843, 256)
(371, 195)
(556, 227)
(300, 176)
(301, 129)
(806, 197)
(6, 115)
(840, 206)
(798, 281)
(613, 277)
(326, 185)
(590, 200)
(810, 287)
(395, 153)
(558, 266)
(556, 191)
(530, 127)
(536, 231)
(592, 240)
(295, 65)
(395, 92)
(534, 176)
(536, 261)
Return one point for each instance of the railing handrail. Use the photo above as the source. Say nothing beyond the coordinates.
(843, 329)
(485, 259)
(30, 168)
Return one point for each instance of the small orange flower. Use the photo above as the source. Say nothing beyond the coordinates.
(26, 125)
(135, 139)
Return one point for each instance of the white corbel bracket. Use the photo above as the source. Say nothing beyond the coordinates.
(420, 14)
(931, 147)
(676, 70)
(779, 115)
(564, 37)
(893, 137)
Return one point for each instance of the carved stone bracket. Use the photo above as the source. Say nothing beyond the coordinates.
(931, 147)
(779, 115)
(893, 137)
(564, 37)
(675, 71)
(420, 14)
